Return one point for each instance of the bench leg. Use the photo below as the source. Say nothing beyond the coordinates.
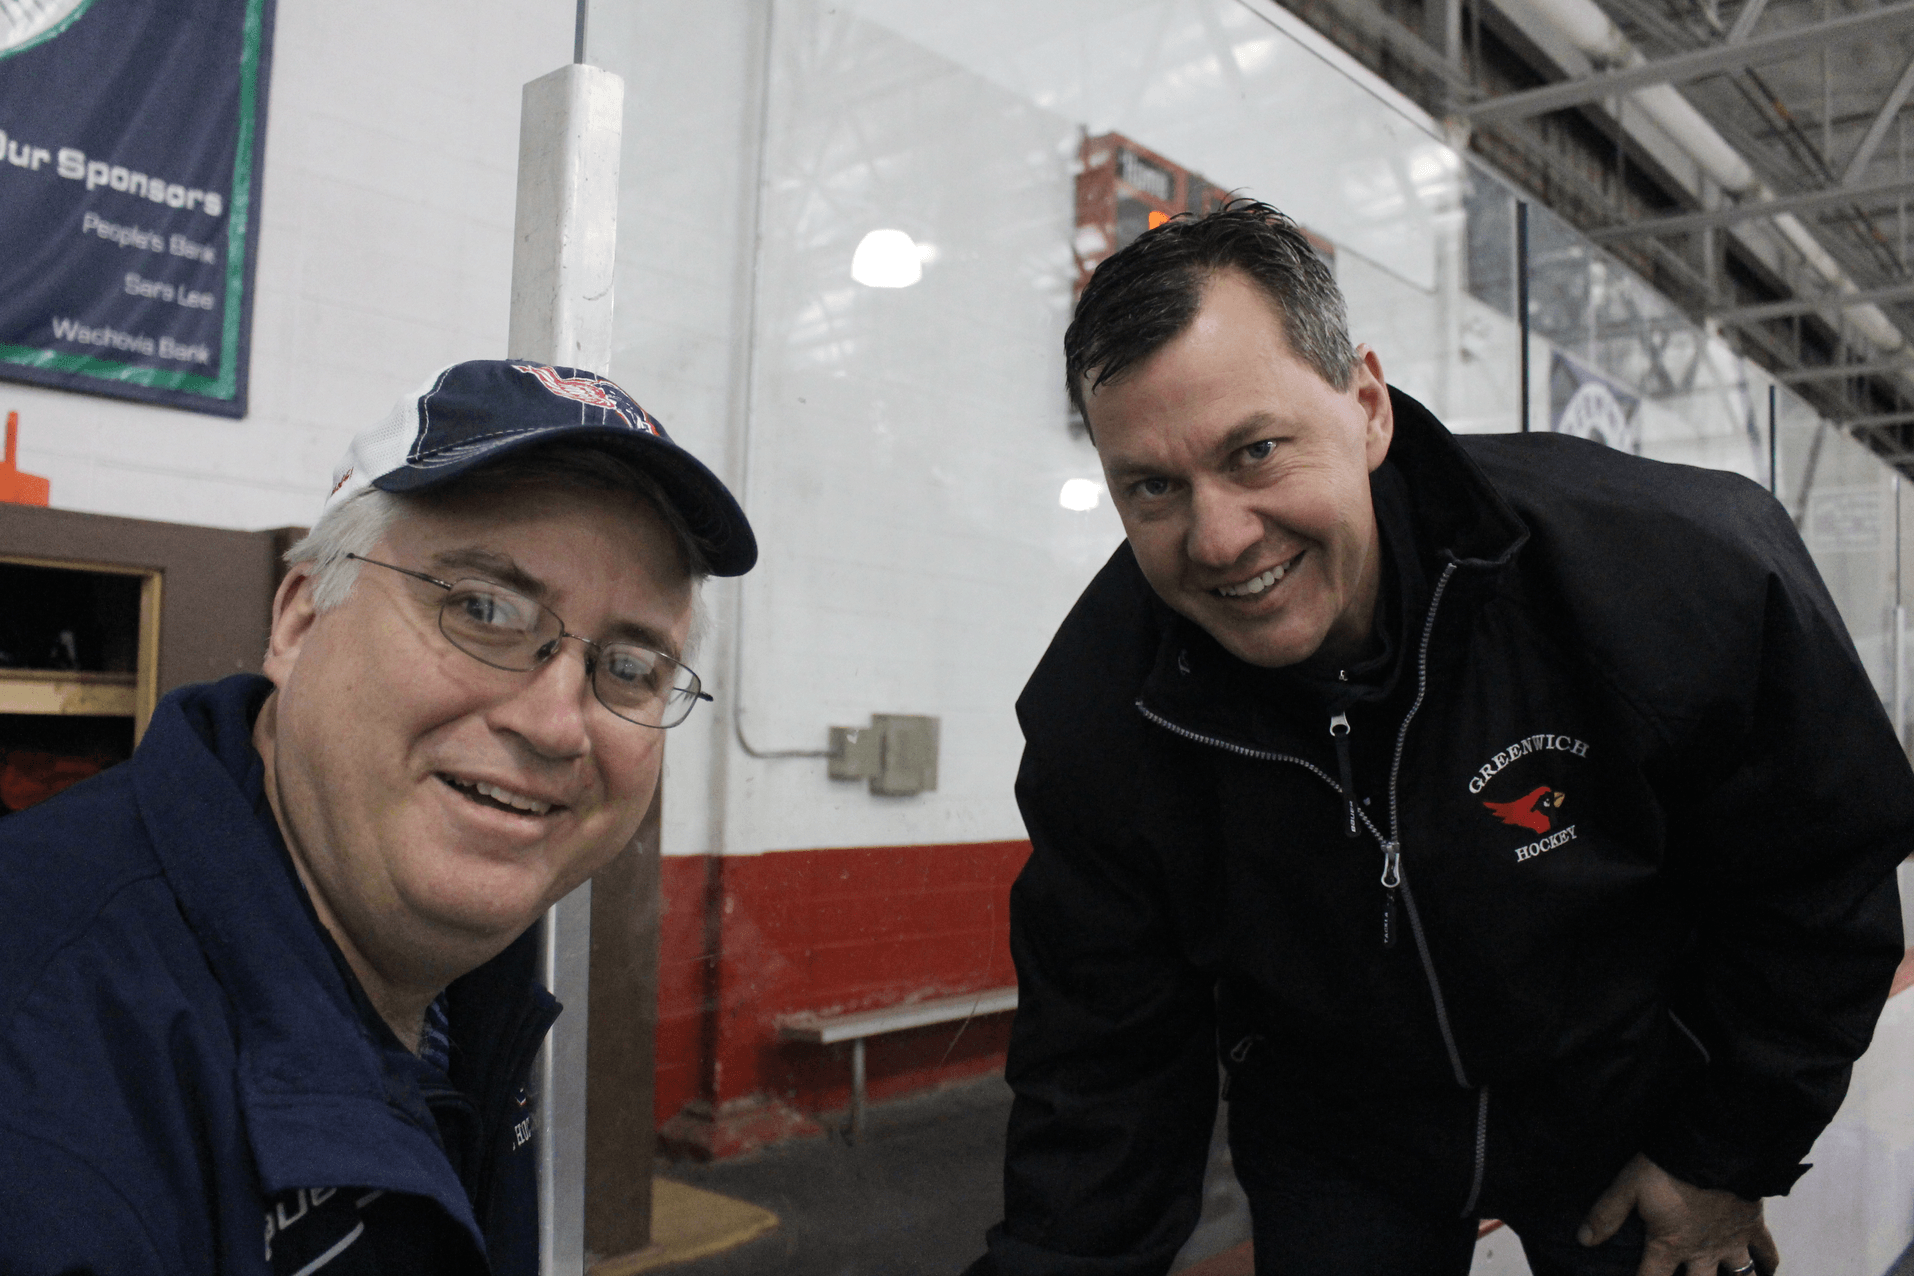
(857, 1089)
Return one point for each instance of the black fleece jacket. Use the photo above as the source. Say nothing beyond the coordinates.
(1628, 812)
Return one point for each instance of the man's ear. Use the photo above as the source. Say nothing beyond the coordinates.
(293, 615)
(1372, 393)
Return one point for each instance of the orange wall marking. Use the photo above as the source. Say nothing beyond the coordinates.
(17, 488)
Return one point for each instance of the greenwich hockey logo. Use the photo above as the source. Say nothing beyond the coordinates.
(1538, 810)
(1535, 811)
(1545, 742)
(1530, 811)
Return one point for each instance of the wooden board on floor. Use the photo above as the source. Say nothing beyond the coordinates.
(687, 1223)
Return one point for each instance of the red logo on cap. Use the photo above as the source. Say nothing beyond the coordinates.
(591, 391)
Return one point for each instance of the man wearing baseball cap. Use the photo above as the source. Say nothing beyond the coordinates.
(266, 995)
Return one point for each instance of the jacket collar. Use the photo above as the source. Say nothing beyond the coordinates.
(1457, 516)
(1458, 513)
(316, 1098)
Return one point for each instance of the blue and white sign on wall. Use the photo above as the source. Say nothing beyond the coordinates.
(133, 133)
(1589, 405)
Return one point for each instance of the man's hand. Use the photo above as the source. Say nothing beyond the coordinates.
(1707, 1230)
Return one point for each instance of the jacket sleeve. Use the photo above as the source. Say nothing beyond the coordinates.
(59, 1215)
(1113, 1051)
(1789, 804)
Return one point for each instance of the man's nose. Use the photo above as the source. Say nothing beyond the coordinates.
(1223, 527)
(550, 709)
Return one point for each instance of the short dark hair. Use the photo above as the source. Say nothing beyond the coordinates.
(1145, 295)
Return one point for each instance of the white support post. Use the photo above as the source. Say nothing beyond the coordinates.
(856, 1131)
(565, 236)
(564, 240)
(1900, 627)
(566, 970)
(1900, 674)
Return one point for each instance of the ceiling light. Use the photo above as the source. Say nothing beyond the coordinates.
(887, 259)
(1080, 494)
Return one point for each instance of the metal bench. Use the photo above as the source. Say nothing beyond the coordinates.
(855, 1028)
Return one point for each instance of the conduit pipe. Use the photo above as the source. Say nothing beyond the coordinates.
(1590, 31)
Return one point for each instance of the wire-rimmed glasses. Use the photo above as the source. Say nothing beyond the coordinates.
(503, 628)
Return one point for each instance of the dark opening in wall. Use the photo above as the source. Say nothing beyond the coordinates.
(57, 618)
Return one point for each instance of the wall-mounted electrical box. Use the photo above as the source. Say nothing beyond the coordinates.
(897, 753)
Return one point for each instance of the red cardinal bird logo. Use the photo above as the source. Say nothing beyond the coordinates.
(1527, 812)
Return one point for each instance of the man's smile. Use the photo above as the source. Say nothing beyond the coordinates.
(498, 797)
(1260, 582)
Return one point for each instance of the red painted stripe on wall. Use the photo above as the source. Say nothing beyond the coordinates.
(829, 931)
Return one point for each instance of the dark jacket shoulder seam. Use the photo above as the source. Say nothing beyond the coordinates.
(80, 1159)
(79, 935)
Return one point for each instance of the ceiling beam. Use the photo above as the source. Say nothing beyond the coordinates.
(1870, 24)
(1875, 422)
(1813, 305)
(1899, 458)
(1683, 223)
(1877, 131)
(1744, 21)
(1844, 371)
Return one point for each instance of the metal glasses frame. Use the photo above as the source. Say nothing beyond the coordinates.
(551, 648)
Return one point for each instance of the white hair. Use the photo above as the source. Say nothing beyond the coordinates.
(358, 523)
(354, 526)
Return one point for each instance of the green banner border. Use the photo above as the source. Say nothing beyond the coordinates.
(238, 212)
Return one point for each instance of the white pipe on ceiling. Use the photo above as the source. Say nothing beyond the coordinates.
(1591, 32)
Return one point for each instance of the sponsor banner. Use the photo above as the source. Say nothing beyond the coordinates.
(131, 137)
(1589, 405)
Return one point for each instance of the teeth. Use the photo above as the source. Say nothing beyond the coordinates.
(517, 801)
(1255, 584)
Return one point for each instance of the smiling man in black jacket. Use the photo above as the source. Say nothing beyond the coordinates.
(1513, 816)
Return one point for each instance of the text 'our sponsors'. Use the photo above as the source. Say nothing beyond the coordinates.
(72, 164)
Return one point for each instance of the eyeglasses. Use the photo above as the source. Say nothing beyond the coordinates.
(499, 627)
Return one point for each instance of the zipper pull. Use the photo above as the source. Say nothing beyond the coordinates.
(1391, 879)
(1339, 732)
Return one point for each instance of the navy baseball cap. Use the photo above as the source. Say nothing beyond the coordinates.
(475, 412)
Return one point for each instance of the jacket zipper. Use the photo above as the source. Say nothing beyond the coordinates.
(1393, 877)
(1339, 732)
(1391, 853)
(1481, 1150)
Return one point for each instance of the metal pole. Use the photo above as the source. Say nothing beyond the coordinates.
(857, 1090)
(1522, 297)
(1900, 627)
(578, 33)
(1773, 488)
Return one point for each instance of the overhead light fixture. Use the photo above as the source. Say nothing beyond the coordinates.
(1080, 494)
(887, 259)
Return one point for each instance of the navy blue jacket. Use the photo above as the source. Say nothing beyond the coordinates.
(178, 1047)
